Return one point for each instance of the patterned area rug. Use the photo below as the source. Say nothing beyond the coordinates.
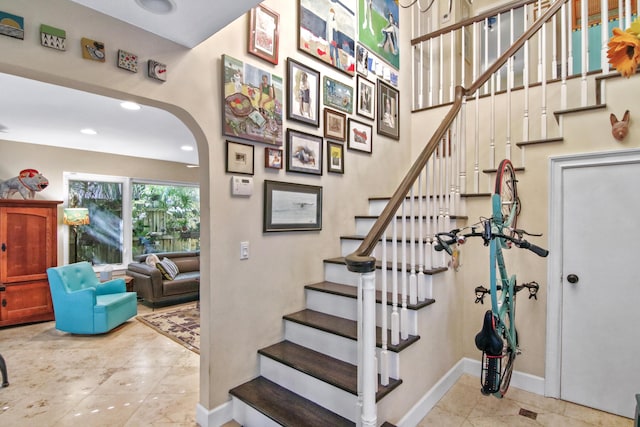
(181, 325)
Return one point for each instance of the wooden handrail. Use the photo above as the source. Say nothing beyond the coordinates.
(361, 260)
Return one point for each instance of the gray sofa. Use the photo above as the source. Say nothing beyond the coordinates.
(155, 291)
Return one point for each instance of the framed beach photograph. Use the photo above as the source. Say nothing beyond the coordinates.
(239, 158)
(327, 32)
(304, 152)
(335, 125)
(252, 102)
(365, 99)
(335, 157)
(264, 27)
(291, 207)
(360, 136)
(337, 95)
(272, 158)
(303, 93)
(388, 119)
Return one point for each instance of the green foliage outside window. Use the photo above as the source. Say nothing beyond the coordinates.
(165, 218)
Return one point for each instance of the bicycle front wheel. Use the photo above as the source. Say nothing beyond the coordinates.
(507, 190)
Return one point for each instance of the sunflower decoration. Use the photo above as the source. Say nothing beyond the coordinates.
(624, 49)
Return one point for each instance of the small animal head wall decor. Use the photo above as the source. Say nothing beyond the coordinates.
(620, 128)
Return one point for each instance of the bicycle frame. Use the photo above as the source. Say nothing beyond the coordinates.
(503, 305)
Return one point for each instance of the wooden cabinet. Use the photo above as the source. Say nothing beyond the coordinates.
(28, 246)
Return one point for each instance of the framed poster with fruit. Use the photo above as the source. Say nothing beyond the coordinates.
(252, 103)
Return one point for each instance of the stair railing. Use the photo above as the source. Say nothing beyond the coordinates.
(441, 195)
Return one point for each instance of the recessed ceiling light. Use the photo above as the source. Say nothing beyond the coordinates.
(186, 148)
(89, 131)
(192, 166)
(128, 105)
(159, 7)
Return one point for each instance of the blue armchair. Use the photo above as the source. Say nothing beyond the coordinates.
(83, 305)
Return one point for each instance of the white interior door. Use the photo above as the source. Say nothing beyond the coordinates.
(600, 312)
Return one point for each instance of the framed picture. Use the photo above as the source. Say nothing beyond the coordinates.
(252, 103)
(388, 113)
(362, 60)
(303, 88)
(291, 207)
(335, 125)
(304, 152)
(337, 95)
(272, 158)
(335, 157)
(379, 28)
(360, 136)
(365, 99)
(328, 32)
(264, 27)
(239, 158)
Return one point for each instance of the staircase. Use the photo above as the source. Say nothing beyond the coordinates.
(314, 368)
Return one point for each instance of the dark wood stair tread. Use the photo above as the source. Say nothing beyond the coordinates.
(344, 327)
(352, 292)
(325, 368)
(429, 271)
(285, 407)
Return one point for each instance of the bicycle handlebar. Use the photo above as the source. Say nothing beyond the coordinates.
(454, 236)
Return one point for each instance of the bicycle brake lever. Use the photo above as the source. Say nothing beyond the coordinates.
(520, 232)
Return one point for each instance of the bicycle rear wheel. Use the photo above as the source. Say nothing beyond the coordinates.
(505, 377)
(506, 188)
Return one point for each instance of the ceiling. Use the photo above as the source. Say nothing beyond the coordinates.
(42, 113)
(190, 23)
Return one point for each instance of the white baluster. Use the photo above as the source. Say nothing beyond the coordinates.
(499, 52)
(554, 49)
(413, 279)
(604, 37)
(569, 31)
(395, 316)
(384, 354)
(428, 261)
(485, 87)
(430, 103)
(492, 124)
(627, 13)
(476, 160)
(525, 82)
(463, 147)
(421, 241)
(543, 88)
(463, 47)
(452, 62)
(421, 83)
(564, 68)
(404, 315)
(441, 71)
(584, 51)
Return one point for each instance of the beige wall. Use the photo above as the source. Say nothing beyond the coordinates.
(242, 301)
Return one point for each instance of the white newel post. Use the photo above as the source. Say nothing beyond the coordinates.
(369, 370)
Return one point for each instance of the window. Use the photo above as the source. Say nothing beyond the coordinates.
(128, 218)
(166, 218)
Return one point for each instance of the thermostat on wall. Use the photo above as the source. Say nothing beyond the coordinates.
(241, 186)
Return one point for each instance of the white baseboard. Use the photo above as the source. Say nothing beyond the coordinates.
(215, 417)
(527, 382)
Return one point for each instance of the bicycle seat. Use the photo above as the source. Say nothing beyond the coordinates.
(488, 340)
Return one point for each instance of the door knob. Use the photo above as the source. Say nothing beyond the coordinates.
(572, 278)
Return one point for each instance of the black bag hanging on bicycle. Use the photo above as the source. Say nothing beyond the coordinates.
(489, 342)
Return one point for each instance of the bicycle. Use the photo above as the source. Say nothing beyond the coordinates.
(498, 339)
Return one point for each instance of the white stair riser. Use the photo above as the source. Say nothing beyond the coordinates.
(245, 415)
(330, 397)
(333, 345)
(346, 307)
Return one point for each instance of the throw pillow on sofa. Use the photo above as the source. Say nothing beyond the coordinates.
(168, 268)
(152, 260)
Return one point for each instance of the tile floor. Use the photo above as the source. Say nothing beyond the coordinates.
(134, 376)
